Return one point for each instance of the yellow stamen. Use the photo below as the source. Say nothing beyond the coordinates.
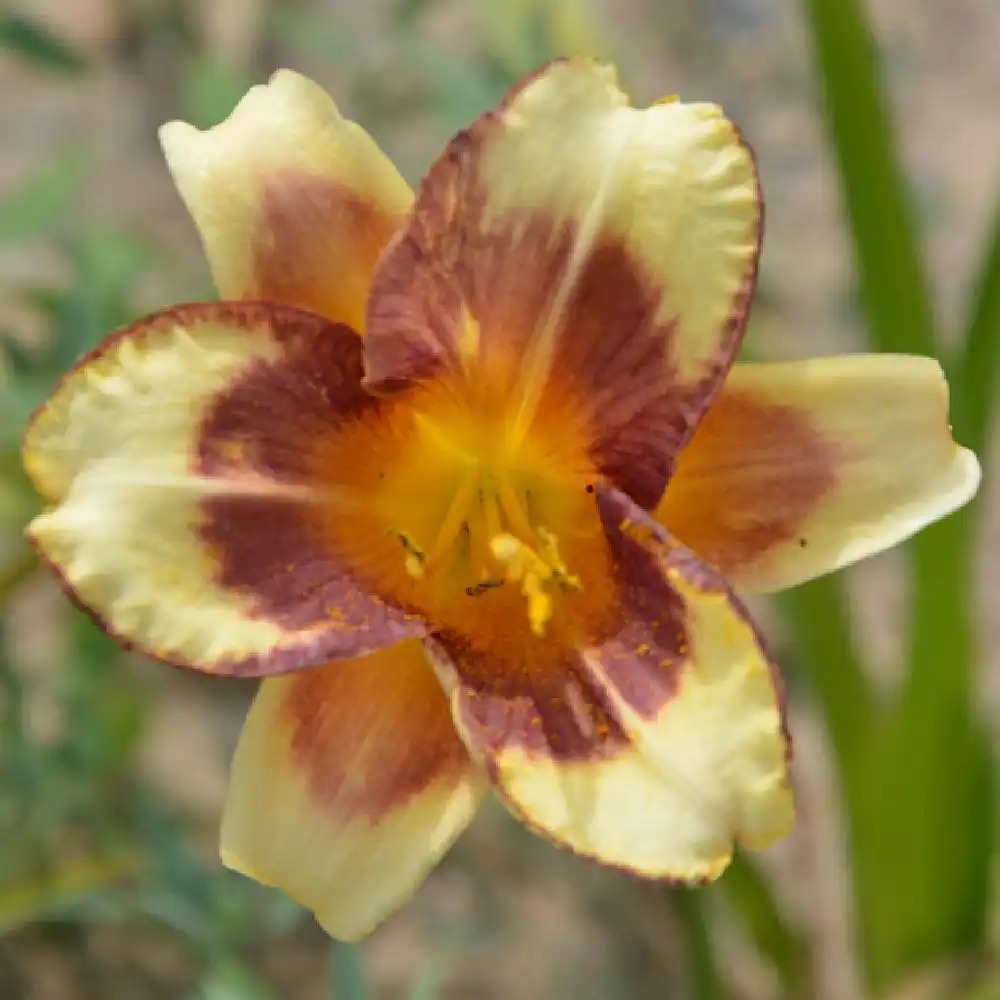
(491, 506)
(539, 604)
(534, 570)
(513, 507)
(451, 526)
(550, 553)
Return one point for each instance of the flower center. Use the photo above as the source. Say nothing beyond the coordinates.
(464, 516)
(480, 525)
(487, 539)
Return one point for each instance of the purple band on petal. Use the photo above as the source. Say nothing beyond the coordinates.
(560, 698)
(270, 424)
(551, 708)
(608, 356)
(270, 421)
(332, 713)
(305, 221)
(646, 555)
(620, 288)
(276, 552)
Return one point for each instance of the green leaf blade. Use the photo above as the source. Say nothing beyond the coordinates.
(890, 273)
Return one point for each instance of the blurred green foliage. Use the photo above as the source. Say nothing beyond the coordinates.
(918, 774)
(87, 841)
(83, 839)
(32, 42)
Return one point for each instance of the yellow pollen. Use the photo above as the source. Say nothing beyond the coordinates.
(534, 570)
(415, 558)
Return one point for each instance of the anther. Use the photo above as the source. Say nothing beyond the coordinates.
(415, 558)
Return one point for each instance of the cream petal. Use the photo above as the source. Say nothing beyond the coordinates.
(803, 467)
(294, 203)
(651, 747)
(186, 506)
(348, 785)
(570, 244)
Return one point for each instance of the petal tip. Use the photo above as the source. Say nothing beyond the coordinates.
(335, 926)
(235, 861)
(285, 91)
(291, 85)
(771, 824)
(175, 135)
(969, 475)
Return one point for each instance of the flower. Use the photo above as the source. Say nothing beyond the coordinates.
(481, 462)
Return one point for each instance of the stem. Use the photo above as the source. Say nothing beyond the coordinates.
(978, 366)
(347, 972)
(704, 978)
(888, 266)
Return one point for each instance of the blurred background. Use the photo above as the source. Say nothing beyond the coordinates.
(877, 129)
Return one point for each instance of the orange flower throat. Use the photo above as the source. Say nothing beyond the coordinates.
(464, 510)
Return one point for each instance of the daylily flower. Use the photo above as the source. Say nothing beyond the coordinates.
(473, 473)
